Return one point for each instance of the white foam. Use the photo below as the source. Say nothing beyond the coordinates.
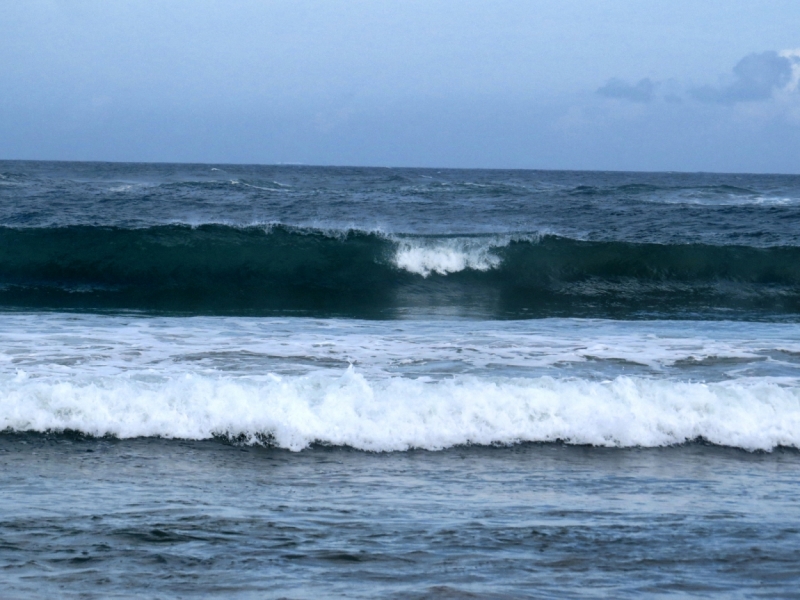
(725, 200)
(130, 187)
(424, 257)
(399, 413)
(60, 346)
(259, 187)
(414, 383)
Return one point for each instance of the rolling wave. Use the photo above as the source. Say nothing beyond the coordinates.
(212, 269)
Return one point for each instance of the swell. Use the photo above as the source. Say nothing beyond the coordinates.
(219, 269)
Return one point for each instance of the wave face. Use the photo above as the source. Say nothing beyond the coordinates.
(223, 269)
(399, 414)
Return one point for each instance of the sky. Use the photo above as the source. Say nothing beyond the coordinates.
(653, 85)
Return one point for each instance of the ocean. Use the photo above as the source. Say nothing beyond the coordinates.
(302, 382)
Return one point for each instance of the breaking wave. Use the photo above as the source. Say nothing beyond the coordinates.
(444, 256)
(400, 414)
(221, 269)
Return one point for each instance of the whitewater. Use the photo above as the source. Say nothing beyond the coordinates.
(296, 382)
(400, 414)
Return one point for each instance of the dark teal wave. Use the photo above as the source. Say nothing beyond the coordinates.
(218, 269)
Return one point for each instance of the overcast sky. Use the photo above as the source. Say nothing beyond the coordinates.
(696, 85)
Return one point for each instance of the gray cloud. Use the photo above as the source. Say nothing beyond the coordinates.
(755, 77)
(639, 92)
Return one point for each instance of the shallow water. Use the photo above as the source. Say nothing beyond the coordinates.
(101, 518)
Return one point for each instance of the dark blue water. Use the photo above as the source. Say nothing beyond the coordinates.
(752, 210)
(284, 381)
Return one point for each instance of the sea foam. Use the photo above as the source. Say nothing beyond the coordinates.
(447, 255)
(399, 413)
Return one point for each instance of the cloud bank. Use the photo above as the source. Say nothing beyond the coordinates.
(758, 77)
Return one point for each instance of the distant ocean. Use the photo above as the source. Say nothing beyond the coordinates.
(305, 382)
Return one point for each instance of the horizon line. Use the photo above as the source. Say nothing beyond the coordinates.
(417, 168)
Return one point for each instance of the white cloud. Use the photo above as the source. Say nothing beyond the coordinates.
(794, 58)
(756, 77)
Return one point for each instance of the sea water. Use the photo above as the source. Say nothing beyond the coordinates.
(304, 382)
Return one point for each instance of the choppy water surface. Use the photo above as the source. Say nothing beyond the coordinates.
(299, 382)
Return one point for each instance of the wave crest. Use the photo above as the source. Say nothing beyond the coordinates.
(446, 256)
